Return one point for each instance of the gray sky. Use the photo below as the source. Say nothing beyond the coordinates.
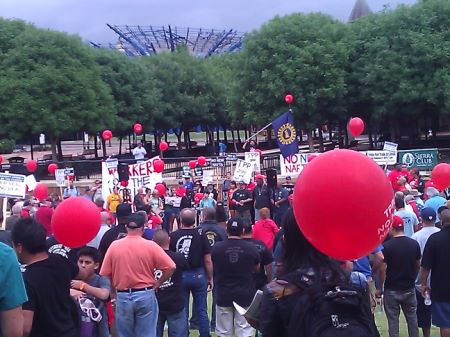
(88, 18)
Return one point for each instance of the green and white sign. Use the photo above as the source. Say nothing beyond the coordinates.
(424, 159)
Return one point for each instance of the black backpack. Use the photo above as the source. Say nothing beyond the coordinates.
(325, 310)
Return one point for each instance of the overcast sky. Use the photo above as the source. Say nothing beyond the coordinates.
(88, 18)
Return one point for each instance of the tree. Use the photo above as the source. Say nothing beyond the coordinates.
(50, 83)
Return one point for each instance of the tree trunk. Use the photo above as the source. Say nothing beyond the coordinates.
(104, 148)
(234, 140)
(321, 149)
(31, 150)
(239, 136)
(310, 140)
(53, 147)
(129, 142)
(179, 140)
(95, 146)
(225, 136)
(120, 145)
(60, 152)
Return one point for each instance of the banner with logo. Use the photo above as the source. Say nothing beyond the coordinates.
(141, 175)
(422, 159)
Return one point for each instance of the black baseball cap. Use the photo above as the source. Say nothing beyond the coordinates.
(235, 225)
(135, 220)
(123, 210)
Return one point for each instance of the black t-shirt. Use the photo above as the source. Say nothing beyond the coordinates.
(213, 232)
(401, 255)
(242, 194)
(192, 244)
(436, 257)
(54, 247)
(234, 261)
(185, 202)
(170, 293)
(262, 196)
(265, 256)
(110, 236)
(48, 286)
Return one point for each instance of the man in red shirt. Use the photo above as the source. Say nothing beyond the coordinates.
(394, 176)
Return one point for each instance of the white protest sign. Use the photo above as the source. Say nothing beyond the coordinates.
(243, 171)
(12, 185)
(295, 163)
(382, 157)
(208, 178)
(30, 181)
(112, 163)
(60, 177)
(390, 147)
(254, 158)
(141, 175)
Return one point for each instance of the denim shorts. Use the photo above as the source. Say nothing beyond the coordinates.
(440, 314)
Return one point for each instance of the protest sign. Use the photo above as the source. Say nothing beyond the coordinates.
(424, 159)
(208, 177)
(12, 185)
(382, 157)
(30, 181)
(231, 157)
(186, 172)
(141, 175)
(293, 164)
(60, 177)
(243, 171)
(390, 147)
(254, 159)
(216, 162)
(198, 173)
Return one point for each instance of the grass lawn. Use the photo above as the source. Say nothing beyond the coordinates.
(380, 318)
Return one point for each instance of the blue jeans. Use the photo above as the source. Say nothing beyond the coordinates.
(178, 325)
(194, 317)
(195, 281)
(136, 314)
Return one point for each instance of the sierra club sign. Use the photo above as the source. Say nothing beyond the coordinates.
(424, 159)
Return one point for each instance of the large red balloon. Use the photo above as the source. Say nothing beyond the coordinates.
(441, 176)
(201, 161)
(161, 189)
(31, 165)
(52, 168)
(158, 165)
(192, 164)
(356, 126)
(137, 128)
(41, 191)
(311, 157)
(163, 146)
(75, 222)
(124, 183)
(343, 204)
(1, 159)
(289, 99)
(107, 135)
(198, 197)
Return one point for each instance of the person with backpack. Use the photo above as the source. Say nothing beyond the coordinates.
(313, 296)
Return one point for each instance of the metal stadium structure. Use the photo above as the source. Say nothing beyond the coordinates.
(151, 40)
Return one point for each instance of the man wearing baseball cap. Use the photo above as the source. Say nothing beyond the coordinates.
(428, 216)
(398, 274)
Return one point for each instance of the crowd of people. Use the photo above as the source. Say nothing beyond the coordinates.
(154, 261)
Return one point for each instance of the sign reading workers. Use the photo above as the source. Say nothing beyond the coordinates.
(141, 175)
(294, 164)
(424, 159)
(243, 171)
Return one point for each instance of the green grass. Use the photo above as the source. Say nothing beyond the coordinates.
(380, 318)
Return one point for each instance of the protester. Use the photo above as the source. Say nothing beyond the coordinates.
(139, 152)
(428, 216)
(265, 228)
(49, 310)
(222, 148)
(231, 202)
(436, 260)
(70, 190)
(207, 202)
(130, 263)
(188, 184)
(95, 242)
(434, 200)
(226, 186)
(264, 275)
(12, 294)
(94, 287)
(242, 198)
(398, 275)
(409, 218)
(234, 261)
(210, 188)
(44, 216)
(170, 293)
(26, 209)
(262, 195)
(113, 200)
(416, 181)
(395, 175)
(221, 215)
(96, 190)
(139, 199)
(198, 279)
(15, 216)
(281, 202)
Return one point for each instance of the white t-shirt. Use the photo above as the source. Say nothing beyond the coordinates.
(422, 237)
(139, 153)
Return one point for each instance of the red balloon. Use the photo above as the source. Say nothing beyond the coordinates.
(356, 126)
(1, 159)
(311, 157)
(352, 225)
(41, 191)
(192, 164)
(161, 189)
(158, 165)
(137, 128)
(124, 183)
(75, 222)
(201, 161)
(198, 197)
(289, 99)
(441, 176)
(52, 168)
(32, 166)
(163, 146)
(107, 135)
